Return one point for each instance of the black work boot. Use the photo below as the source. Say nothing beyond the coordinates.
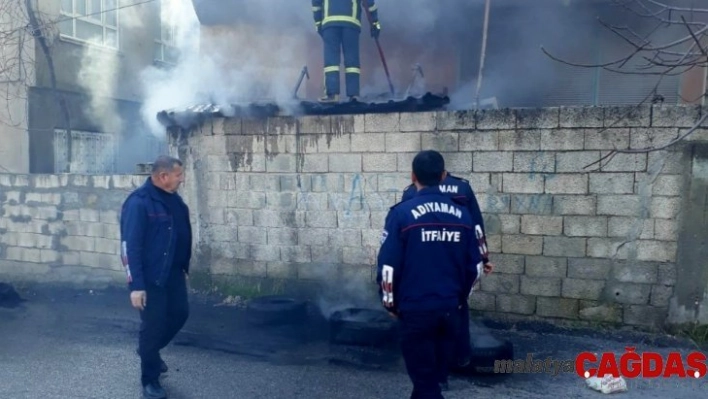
(163, 365)
(154, 390)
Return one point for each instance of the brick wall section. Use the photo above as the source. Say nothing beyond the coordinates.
(306, 198)
(62, 228)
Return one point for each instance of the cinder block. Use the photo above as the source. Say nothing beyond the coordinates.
(518, 304)
(106, 246)
(479, 141)
(313, 236)
(403, 142)
(252, 235)
(628, 116)
(587, 268)
(418, 121)
(562, 140)
(565, 308)
(507, 263)
(77, 243)
(368, 142)
(495, 119)
(369, 238)
(564, 246)
(617, 248)
(458, 163)
(381, 162)
(598, 311)
(585, 226)
(245, 200)
(510, 224)
(579, 117)
(645, 138)
(281, 270)
(665, 230)
(577, 161)
(482, 301)
(358, 255)
(244, 162)
(659, 251)
(543, 266)
(455, 120)
(295, 254)
(612, 183)
(619, 226)
(324, 255)
(327, 219)
(281, 236)
(668, 185)
(340, 143)
(89, 215)
(574, 183)
(494, 203)
(541, 225)
(621, 162)
(440, 141)
(493, 162)
(671, 162)
(628, 293)
(534, 162)
(393, 182)
(520, 140)
(607, 139)
(48, 181)
(621, 205)
(583, 289)
(48, 256)
(389, 122)
(326, 182)
(500, 283)
(239, 217)
(536, 204)
(661, 295)
(353, 220)
(665, 207)
(313, 201)
(281, 163)
(522, 245)
(647, 316)
(257, 254)
(635, 272)
(522, 183)
(537, 118)
(664, 115)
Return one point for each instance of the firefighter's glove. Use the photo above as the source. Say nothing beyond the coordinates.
(375, 30)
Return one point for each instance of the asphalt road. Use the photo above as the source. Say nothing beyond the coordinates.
(75, 344)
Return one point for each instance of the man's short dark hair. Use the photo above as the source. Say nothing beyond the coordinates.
(428, 167)
(165, 163)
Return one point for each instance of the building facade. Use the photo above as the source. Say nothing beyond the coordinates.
(74, 69)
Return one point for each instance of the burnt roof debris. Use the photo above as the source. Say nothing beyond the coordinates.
(189, 117)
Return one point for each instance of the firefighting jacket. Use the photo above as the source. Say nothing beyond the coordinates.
(147, 238)
(427, 259)
(460, 191)
(345, 13)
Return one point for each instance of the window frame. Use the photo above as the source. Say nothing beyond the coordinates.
(100, 22)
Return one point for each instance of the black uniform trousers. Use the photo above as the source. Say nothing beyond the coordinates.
(463, 347)
(427, 344)
(164, 316)
(345, 41)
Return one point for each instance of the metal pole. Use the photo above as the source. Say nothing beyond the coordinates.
(483, 52)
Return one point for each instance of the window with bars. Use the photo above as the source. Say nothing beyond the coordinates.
(90, 152)
(91, 21)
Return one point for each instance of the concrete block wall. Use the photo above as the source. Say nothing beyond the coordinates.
(572, 237)
(62, 228)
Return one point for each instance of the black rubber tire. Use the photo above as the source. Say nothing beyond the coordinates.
(485, 351)
(9, 298)
(363, 327)
(276, 310)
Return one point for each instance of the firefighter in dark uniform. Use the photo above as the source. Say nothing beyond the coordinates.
(427, 265)
(339, 24)
(460, 191)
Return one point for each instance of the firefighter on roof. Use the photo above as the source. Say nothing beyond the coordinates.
(338, 22)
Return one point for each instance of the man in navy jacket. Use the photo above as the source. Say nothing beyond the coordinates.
(427, 265)
(156, 247)
(460, 191)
